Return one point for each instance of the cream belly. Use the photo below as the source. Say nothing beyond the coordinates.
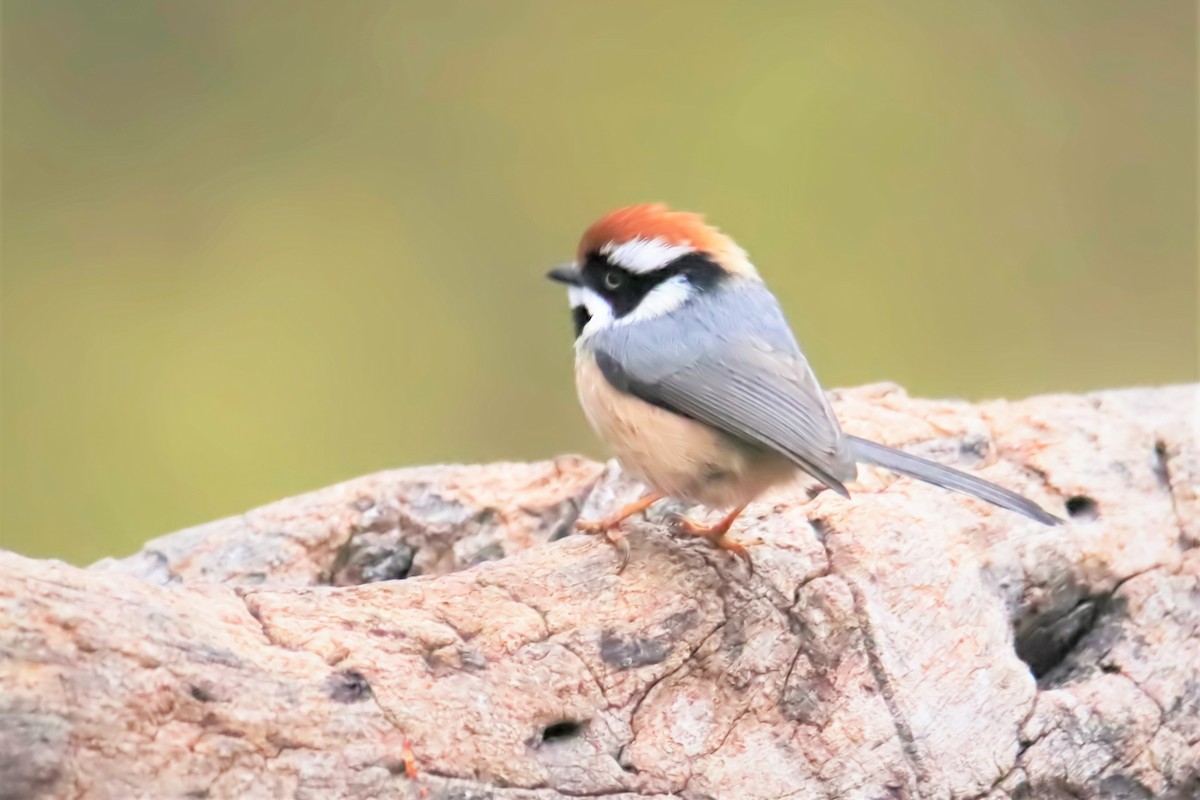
(680, 457)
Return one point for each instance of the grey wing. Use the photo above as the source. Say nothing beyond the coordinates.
(729, 360)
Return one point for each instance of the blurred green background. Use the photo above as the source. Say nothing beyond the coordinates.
(250, 249)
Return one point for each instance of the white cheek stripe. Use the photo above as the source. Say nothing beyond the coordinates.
(598, 309)
(574, 296)
(662, 299)
(643, 255)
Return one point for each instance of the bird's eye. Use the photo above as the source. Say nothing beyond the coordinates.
(613, 280)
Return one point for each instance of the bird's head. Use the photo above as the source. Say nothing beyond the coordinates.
(643, 261)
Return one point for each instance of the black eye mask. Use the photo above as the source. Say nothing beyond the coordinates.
(625, 290)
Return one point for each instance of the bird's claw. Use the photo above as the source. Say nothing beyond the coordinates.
(612, 534)
(592, 526)
(716, 536)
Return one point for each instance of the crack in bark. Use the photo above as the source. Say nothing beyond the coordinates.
(728, 732)
(671, 673)
(543, 791)
(1164, 461)
(608, 704)
(903, 732)
(256, 614)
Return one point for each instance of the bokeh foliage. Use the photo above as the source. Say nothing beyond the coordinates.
(253, 248)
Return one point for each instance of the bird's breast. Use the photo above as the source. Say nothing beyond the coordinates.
(678, 456)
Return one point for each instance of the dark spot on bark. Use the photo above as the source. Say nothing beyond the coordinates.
(347, 686)
(622, 759)
(629, 652)
(198, 794)
(820, 527)
(800, 703)
(158, 570)
(564, 529)
(681, 622)
(33, 751)
(1122, 787)
(207, 654)
(563, 518)
(1189, 700)
(1161, 470)
(492, 552)
(1082, 507)
(974, 447)
(472, 659)
(200, 694)
(561, 731)
(809, 697)
(733, 637)
(1190, 788)
(370, 557)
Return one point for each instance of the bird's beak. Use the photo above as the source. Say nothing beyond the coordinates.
(567, 273)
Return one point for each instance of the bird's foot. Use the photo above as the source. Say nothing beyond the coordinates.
(715, 534)
(596, 525)
(610, 528)
(610, 525)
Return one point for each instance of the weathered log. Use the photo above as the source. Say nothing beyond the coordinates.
(436, 632)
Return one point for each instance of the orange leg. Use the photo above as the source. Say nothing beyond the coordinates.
(613, 520)
(716, 533)
(609, 524)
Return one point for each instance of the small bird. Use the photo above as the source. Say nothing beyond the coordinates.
(686, 366)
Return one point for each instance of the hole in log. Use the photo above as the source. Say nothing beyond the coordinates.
(561, 731)
(1082, 507)
(1046, 644)
(1060, 646)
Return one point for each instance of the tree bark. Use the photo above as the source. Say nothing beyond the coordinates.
(440, 632)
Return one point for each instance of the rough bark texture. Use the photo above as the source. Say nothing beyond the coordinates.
(906, 643)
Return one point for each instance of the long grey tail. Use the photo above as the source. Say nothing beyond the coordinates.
(940, 475)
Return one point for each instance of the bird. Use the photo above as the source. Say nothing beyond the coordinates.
(686, 366)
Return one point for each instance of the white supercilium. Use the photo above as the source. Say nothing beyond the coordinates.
(643, 255)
